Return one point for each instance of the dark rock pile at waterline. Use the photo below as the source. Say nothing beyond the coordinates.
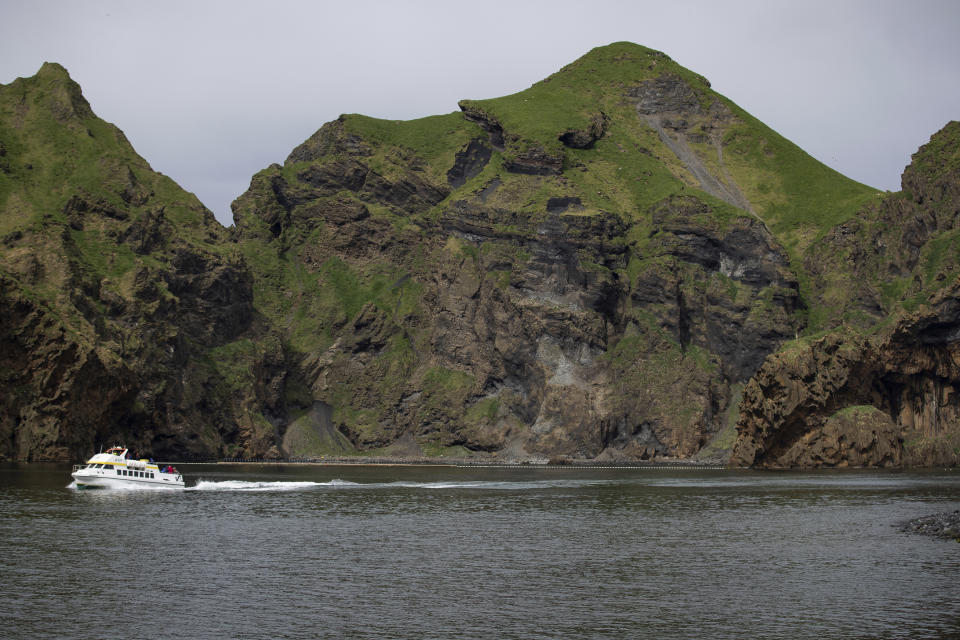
(939, 525)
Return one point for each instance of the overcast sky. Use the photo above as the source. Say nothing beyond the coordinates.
(209, 92)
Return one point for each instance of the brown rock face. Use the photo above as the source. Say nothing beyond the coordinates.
(890, 397)
(846, 400)
(116, 290)
(512, 331)
(63, 391)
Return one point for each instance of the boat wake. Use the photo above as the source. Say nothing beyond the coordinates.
(250, 485)
(337, 484)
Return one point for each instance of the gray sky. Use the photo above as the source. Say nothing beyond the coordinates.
(210, 92)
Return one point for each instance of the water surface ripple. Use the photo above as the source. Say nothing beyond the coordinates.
(291, 551)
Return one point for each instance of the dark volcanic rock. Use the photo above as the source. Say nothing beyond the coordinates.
(486, 122)
(846, 400)
(667, 93)
(535, 161)
(939, 525)
(469, 162)
(585, 138)
(741, 334)
(563, 204)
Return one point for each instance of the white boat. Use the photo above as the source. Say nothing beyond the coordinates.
(115, 469)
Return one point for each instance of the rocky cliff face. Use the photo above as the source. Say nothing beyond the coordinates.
(849, 400)
(117, 289)
(490, 283)
(598, 267)
(887, 396)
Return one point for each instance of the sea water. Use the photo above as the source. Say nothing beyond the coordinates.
(315, 551)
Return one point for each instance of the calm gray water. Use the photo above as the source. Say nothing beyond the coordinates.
(429, 552)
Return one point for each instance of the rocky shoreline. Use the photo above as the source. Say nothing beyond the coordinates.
(939, 525)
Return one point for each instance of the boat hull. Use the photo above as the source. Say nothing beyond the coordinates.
(92, 481)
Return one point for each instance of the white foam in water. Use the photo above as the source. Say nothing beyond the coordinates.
(247, 485)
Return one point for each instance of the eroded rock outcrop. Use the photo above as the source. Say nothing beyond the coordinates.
(848, 400)
(887, 397)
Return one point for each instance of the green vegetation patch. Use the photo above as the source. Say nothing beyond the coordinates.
(798, 197)
(433, 139)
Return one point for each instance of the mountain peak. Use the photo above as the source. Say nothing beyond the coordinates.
(53, 91)
(53, 70)
(622, 63)
(934, 170)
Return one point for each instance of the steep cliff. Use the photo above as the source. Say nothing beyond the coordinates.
(881, 389)
(117, 288)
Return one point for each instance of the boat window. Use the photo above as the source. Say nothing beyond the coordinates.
(118, 471)
(151, 475)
